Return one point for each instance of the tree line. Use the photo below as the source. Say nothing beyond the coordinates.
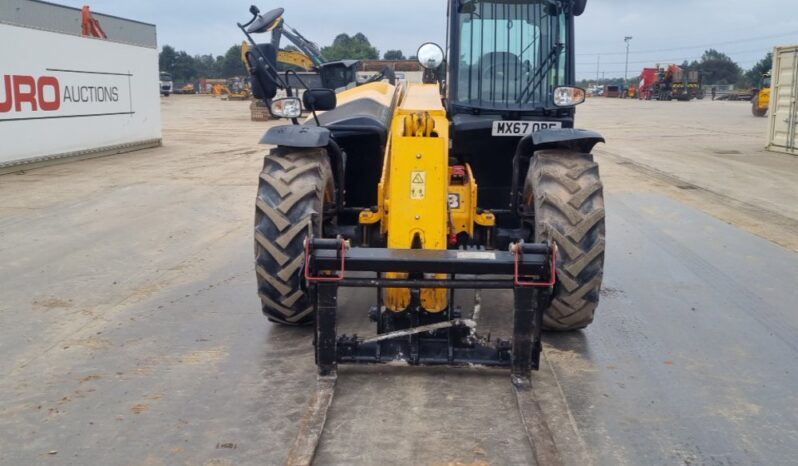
(719, 69)
(184, 67)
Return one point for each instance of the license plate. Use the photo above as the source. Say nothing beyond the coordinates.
(522, 128)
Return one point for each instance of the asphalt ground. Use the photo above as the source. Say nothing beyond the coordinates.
(131, 332)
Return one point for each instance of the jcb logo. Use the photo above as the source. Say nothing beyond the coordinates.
(29, 93)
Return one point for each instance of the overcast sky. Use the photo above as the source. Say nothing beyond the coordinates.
(664, 31)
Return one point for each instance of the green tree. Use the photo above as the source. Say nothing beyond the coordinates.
(718, 68)
(394, 55)
(356, 47)
(184, 67)
(232, 65)
(205, 66)
(754, 75)
(166, 59)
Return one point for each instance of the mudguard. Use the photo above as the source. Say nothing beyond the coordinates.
(577, 140)
(297, 136)
(580, 140)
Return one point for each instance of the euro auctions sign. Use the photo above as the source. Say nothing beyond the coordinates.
(64, 94)
(61, 93)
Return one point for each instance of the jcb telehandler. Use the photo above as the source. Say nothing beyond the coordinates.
(475, 179)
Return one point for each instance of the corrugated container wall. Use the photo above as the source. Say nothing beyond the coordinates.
(783, 132)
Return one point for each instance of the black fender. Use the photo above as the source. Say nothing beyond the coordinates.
(580, 140)
(577, 140)
(301, 136)
(297, 136)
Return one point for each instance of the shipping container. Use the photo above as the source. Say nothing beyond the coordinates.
(66, 95)
(783, 132)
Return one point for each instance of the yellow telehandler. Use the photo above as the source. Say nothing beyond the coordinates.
(761, 100)
(475, 179)
(479, 174)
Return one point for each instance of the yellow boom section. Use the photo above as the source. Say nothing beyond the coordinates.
(298, 59)
(415, 185)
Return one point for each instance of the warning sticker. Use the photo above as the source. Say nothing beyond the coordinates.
(418, 185)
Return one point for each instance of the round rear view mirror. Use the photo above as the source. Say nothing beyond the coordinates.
(430, 55)
(265, 22)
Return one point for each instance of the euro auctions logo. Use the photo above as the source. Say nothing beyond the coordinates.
(64, 94)
(41, 94)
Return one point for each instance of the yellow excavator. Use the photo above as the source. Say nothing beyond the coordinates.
(318, 70)
(293, 58)
(761, 100)
(296, 59)
(233, 89)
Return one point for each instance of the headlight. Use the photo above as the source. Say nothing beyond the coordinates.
(289, 107)
(568, 96)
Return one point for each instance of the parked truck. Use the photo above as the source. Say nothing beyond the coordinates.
(668, 83)
(165, 84)
(613, 91)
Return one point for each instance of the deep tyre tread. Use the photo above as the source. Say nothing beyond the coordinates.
(757, 112)
(568, 198)
(294, 186)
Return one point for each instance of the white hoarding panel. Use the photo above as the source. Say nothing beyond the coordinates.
(783, 134)
(62, 94)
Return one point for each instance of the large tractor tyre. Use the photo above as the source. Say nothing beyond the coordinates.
(568, 198)
(755, 110)
(294, 187)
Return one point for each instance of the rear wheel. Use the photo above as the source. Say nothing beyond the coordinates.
(755, 110)
(568, 198)
(294, 187)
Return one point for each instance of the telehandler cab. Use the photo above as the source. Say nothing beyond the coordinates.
(475, 179)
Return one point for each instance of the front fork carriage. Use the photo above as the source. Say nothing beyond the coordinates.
(449, 340)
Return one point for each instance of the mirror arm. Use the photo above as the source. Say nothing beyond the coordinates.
(255, 12)
(296, 75)
(315, 117)
(271, 67)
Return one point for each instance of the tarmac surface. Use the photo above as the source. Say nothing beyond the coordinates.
(131, 332)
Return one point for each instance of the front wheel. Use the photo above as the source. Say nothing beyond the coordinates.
(568, 199)
(294, 187)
